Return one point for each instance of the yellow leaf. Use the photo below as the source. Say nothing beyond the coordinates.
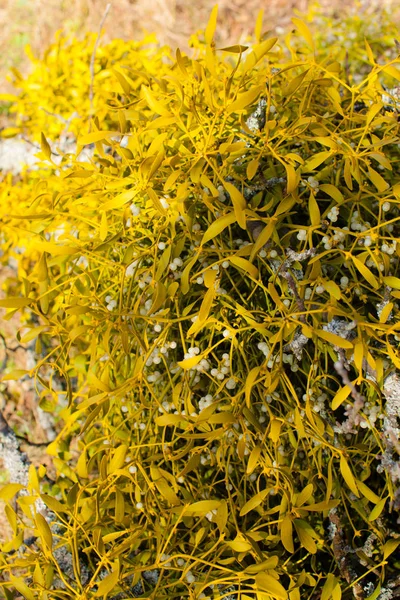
(329, 584)
(294, 84)
(393, 282)
(163, 262)
(373, 111)
(253, 459)
(42, 269)
(245, 265)
(166, 491)
(185, 275)
(53, 504)
(340, 397)
(389, 547)
(44, 531)
(298, 421)
(348, 476)
(21, 587)
(123, 82)
(159, 297)
(239, 544)
(332, 191)
(385, 313)
(392, 71)
(75, 332)
(285, 205)
(8, 491)
(292, 178)
(393, 356)
(275, 430)
(314, 211)
(287, 534)
(168, 419)
(304, 32)
(347, 174)
(243, 100)
(15, 302)
(378, 181)
(201, 508)
(263, 237)
(305, 533)
(81, 465)
(367, 492)
(96, 136)
(218, 226)
(358, 356)
(189, 363)
(336, 98)
(9, 132)
(45, 146)
(119, 200)
(252, 168)
(250, 380)
(258, 26)
(205, 306)
(333, 339)
(365, 272)
(269, 584)
(119, 506)
(333, 289)
(376, 511)
(108, 583)
(253, 502)
(55, 249)
(236, 49)
(181, 64)
(38, 576)
(211, 25)
(239, 203)
(382, 160)
(156, 201)
(259, 50)
(316, 161)
(118, 458)
(155, 105)
(103, 227)
(209, 277)
(321, 506)
(171, 179)
(304, 495)
(266, 565)
(369, 53)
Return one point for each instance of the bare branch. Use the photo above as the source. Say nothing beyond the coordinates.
(341, 554)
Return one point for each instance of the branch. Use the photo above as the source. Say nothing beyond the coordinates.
(341, 554)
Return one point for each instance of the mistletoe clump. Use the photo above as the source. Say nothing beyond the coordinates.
(212, 293)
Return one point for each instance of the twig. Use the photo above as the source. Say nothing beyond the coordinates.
(341, 554)
(36, 146)
(340, 369)
(92, 58)
(51, 114)
(292, 257)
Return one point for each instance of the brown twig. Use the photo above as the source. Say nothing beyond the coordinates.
(341, 554)
(341, 370)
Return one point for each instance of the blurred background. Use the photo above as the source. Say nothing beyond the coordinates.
(34, 22)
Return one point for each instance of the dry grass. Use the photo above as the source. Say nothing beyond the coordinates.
(36, 21)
